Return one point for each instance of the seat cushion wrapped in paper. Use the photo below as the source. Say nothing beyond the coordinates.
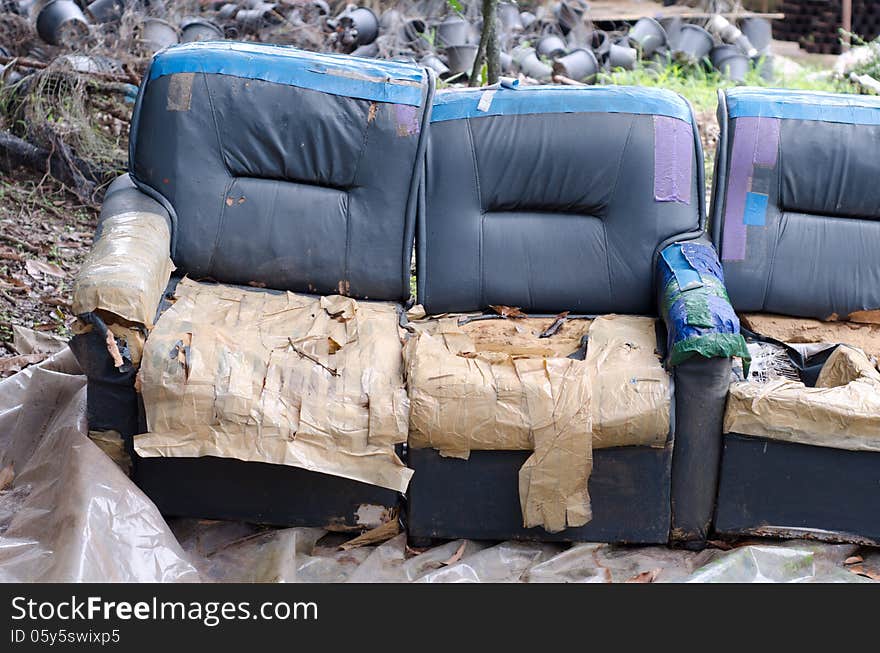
(312, 382)
(474, 387)
(841, 412)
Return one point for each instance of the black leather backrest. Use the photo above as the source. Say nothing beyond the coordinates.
(284, 168)
(796, 208)
(554, 198)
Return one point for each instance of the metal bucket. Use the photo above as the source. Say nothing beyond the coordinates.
(758, 31)
(368, 50)
(570, 14)
(694, 43)
(580, 65)
(731, 62)
(672, 26)
(529, 63)
(157, 34)
(106, 11)
(362, 22)
(600, 42)
(460, 58)
(648, 35)
(550, 46)
(413, 32)
(228, 11)
(62, 22)
(527, 18)
(199, 29)
(453, 31)
(436, 64)
(254, 19)
(622, 56)
(508, 15)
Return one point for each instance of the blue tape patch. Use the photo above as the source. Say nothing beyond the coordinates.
(366, 79)
(803, 105)
(686, 275)
(756, 209)
(459, 104)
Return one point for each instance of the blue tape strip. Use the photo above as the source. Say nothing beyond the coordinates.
(366, 79)
(756, 209)
(459, 104)
(685, 274)
(803, 105)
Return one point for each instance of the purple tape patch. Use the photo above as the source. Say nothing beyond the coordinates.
(767, 145)
(673, 160)
(407, 120)
(755, 142)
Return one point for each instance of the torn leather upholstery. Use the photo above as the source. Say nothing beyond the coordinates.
(277, 377)
(841, 412)
(127, 269)
(475, 387)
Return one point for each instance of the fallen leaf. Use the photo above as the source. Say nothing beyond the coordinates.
(7, 474)
(17, 363)
(508, 311)
(410, 551)
(455, 556)
(381, 533)
(853, 560)
(15, 281)
(10, 255)
(646, 576)
(35, 267)
(865, 317)
(859, 570)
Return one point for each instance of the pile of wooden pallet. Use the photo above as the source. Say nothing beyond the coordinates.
(815, 24)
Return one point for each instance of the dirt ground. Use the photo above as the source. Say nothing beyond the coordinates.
(45, 233)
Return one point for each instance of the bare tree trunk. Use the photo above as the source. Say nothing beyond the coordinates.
(488, 48)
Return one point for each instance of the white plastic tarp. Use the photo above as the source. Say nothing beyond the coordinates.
(70, 514)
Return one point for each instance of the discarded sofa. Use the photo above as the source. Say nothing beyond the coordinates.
(578, 214)
(280, 187)
(796, 220)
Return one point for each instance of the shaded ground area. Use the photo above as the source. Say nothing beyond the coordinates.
(45, 233)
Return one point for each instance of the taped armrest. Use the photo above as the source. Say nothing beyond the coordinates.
(129, 264)
(695, 306)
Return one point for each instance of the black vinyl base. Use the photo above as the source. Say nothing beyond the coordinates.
(478, 498)
(112, 403)
(277, 495)
(223, 488)
(783, 489)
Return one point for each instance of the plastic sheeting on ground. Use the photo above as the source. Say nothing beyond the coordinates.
(70, 514)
